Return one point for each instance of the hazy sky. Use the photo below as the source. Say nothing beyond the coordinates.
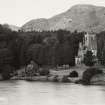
(18, 12)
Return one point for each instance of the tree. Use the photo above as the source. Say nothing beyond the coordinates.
(60, 36)
(33, 53)
(89, 73)
(6, 72)
(89, 58)
(51, 44)
(6, 57)
(31, 69)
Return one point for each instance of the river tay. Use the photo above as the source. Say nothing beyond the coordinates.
(46, 93)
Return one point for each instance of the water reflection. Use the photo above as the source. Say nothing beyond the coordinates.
(46, 93)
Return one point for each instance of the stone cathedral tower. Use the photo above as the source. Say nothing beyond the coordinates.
(89, 44)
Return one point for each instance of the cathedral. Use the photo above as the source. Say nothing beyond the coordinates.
(89, 44)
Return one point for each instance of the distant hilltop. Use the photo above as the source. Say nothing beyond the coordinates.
(80, 17)
(12, 27)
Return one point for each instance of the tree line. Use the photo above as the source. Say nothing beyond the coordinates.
(51, 48)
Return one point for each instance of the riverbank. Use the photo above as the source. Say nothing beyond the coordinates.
(61, 75)
(56, 75)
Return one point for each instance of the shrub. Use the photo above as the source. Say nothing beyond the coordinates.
(89, 59)
(79, 81)
(44, 71)
(73, 74)
(55, 79)
(6, 72)
(65, 79)
(88, 74)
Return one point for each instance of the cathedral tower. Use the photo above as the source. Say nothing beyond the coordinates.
(89, 44)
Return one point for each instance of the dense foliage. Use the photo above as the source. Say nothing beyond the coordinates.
(44, 71)
(50, 48)
(65, 79)
(7, 72)
(88, 74)
(89, 58)
(73, 74)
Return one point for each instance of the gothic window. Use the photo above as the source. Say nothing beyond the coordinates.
(85, 38)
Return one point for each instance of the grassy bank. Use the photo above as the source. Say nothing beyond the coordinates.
(57, 75)
(60, 73)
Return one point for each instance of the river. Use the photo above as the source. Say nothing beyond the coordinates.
(47, 93)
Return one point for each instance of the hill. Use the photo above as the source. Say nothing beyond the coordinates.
(80, 17)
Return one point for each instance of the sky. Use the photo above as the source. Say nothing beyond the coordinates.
(18, 12)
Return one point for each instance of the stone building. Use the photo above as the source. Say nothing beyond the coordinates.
(89, 44)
